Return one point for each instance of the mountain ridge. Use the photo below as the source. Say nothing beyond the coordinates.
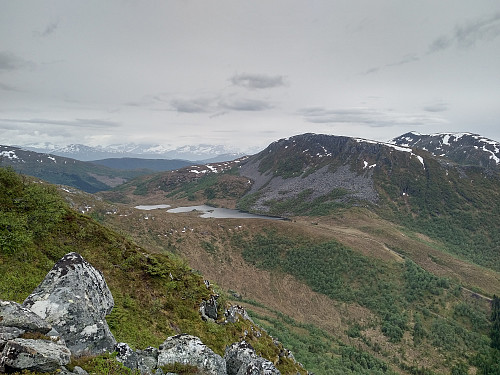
(193, 153)
(462, 148)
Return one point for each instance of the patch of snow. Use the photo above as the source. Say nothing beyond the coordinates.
(446, 138)
(492, 156)
(9, 154)
(212, 168)
(366, 165)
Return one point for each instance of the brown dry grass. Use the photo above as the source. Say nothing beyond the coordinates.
(360, 229)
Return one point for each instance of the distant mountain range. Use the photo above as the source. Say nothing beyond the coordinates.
(85, 176)
(200, 153)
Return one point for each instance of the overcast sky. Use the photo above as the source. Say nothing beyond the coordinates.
(245, 73)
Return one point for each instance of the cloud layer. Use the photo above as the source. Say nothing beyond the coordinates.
(257, 81)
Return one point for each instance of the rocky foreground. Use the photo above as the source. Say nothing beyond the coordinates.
(64, 318)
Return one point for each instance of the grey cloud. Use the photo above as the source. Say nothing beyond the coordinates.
(257, 81)
(191, 105)
(218, 114)
(245, 105)
(93, 123)
(440, 43)
(372, 70)
(436, 107)
(466, 35)
(9, 61)
(5, 87)
(217, 105)
(367, 116)
(51, 27)
(405, 60)
(7, 126)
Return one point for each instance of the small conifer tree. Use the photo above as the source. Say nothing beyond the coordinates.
(495, 320)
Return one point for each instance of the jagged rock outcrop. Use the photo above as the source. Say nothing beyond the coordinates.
(189, 350)
(74, 298)
(208, 309)
(34, 355)
(241, 360)
(234, 313)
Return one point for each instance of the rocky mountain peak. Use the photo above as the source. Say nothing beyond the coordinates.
(462, 148)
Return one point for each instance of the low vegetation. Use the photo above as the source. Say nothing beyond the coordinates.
(156, 296)
(413, 307)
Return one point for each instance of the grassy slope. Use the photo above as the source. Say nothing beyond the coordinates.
(374, 254)
(155, 295)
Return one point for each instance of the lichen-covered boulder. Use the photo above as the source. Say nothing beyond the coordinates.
(12, 314)
(189, 350)
(75, 299)
(126, 355)
(147, 360)
(234, 313)
(33, 355)
(241, 360)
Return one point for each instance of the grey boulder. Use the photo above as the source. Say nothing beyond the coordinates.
(34, 355)
(241, 359)
(75, 299)
(189, 350)
(12, 314)
(126, 355)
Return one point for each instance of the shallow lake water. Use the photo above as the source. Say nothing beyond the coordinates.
(152, 207)
(220, 213)
(208, 211)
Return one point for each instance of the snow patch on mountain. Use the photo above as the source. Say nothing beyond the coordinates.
(474, 148)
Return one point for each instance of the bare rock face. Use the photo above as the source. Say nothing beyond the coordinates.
(74, 298)
(189, 350)
(242, 360)
(33, 355)
(12, 314)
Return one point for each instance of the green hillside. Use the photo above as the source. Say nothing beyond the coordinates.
(156, 296)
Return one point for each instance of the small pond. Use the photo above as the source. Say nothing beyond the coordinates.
(209, 211)
(152, 207)
(221, 213)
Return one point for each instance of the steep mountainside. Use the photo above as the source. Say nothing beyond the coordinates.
(317, 174)
(60, 170)
(462, 148)
(378, 253)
